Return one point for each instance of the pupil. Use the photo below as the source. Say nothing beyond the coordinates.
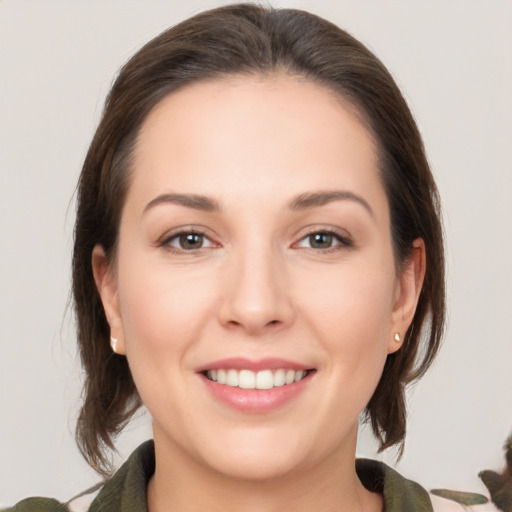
(321, 240)
(191, 241)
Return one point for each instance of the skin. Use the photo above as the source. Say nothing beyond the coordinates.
(257, 287)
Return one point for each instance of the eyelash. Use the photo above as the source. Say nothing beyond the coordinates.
(167, 240)
(342, 241)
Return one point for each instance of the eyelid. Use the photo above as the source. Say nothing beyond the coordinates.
(342, 236)
(165, 240)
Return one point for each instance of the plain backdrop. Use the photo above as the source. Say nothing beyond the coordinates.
(453, 61)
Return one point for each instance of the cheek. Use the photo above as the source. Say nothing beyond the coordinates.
(350, 300)
(350, 312)
(164, 312)
(162, 308)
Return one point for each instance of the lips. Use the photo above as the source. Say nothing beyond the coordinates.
(255, 386)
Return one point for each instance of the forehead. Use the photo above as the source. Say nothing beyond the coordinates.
(254, 135)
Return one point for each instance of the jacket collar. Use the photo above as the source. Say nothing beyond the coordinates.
(126, 490)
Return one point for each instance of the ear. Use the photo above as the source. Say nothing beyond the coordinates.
(106, 284)
(407, 294)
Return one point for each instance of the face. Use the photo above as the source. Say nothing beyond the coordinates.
(254, 291)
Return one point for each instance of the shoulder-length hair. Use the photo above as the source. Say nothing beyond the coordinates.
(252, 40)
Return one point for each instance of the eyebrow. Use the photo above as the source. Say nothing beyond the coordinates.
(195, 201)
(321, 198)
(302, 202)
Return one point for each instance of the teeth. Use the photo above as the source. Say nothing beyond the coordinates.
(290, 377)
(232, 378)
(298, 376)
(246, 379)
(279, 378)
(264, 379)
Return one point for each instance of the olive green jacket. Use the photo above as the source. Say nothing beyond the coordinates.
(126, 490)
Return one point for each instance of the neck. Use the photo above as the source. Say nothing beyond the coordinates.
(182, 484)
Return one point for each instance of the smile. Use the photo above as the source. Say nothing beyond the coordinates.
(263, 379)
(256, 386)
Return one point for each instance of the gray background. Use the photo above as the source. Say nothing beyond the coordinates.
(453, 61)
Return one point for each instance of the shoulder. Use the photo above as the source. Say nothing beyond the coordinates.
(37, 505)
(400, 494)
(126, 490)
(404, 495)
(80, 503)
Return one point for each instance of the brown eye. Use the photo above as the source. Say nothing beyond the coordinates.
(321, 240)
(324, 240)
(190, 241)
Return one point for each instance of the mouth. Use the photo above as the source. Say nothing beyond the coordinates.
(262, 379)
(256, 386)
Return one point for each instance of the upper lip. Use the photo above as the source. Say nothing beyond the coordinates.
(240, 363)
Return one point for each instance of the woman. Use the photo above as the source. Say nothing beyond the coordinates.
(258, 260)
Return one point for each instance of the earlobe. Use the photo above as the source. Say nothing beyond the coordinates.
(410, 283)
(107, 288)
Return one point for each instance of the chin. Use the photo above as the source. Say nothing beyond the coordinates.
(257, 464)
(253, 454)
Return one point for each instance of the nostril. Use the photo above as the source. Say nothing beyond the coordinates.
(274, 325)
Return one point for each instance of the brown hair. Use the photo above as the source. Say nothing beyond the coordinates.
(250, 39)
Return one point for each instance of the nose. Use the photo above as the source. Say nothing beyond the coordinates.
(256, 295)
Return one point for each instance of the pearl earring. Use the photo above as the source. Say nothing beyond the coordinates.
(113, 344)
(397, 337)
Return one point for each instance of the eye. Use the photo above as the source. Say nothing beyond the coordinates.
(323, 240)
(188, 241)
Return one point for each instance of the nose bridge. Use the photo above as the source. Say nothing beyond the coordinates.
(255, 295)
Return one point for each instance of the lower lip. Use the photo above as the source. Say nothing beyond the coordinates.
(256, 400)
